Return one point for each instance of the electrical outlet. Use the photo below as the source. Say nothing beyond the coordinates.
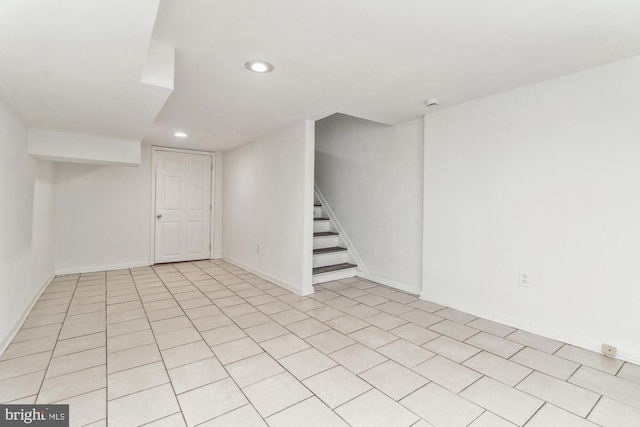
(525, 280)
(609, 350)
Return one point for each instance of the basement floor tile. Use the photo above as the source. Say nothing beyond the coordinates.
(207, 343)
(375, 409)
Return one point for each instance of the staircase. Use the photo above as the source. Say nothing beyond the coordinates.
(331, 259)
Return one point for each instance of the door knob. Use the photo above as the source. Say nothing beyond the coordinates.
(159, 216)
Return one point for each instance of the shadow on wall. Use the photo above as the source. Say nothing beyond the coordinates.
(32, 195)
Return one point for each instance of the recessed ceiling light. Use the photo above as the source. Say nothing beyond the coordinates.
(180, 134)
(258, 66)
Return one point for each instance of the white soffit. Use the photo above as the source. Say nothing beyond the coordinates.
(77, 66)
(159, 68)
(76, 148)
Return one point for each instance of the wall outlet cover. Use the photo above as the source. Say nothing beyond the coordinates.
(524, 279)
(609, 350)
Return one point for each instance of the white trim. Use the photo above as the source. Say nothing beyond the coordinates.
(18, 325)
(152, 237)
(181, 150)
(401, 286)
(152, 228)
(212, 222)
(276, 280)
(217, 205)
(307, 208)
(96, 268)
(345, 238)
(588, 343)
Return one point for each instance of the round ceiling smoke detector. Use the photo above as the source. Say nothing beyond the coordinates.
(258, 66)
(432, 102)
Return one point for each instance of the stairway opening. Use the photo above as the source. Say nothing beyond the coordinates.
(331, 258)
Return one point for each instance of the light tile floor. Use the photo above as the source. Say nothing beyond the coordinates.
(207, 343)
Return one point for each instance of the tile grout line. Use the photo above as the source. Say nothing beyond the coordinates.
(356, 342)
(523, 346)
(51, 359)
(57, 337)
(274, 359)
(459, 363)
(544, 402)
(106, 347)
(221, 364)
(135, 285)
(586, 417)
(479, 415)
(318, 373)
(523, 379)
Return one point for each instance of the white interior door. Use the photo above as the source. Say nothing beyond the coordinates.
(183, 207)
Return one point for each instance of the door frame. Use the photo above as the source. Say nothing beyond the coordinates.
(213, 231)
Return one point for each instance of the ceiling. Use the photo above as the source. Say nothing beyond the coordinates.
(72, 65)
(69, 65)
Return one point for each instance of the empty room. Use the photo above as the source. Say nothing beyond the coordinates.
(320, 213)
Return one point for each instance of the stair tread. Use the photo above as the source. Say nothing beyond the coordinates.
(321, 219)
(335, 267)
(325, 233)
(317, 205)
(328, 250)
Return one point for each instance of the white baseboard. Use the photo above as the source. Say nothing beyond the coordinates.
(280, 282)
(561, 335)
(108, 267)
(405, 287)
(18, 325)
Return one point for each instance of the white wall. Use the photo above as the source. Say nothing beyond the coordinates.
(267, 201)
(371, 176)
(543, 179)
(26, 224)
(103, 216)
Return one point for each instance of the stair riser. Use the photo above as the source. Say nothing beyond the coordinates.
(334, 275)
(319, 226)
(321, 260)
(318, 212)
(326, 242)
